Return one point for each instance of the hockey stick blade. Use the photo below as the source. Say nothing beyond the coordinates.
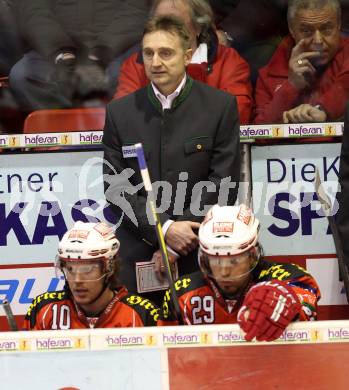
(158, 228)
(9, 315)
(326, 206)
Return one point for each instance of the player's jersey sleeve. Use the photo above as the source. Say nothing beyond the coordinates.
(45, 311)
(188, 288)
(143, 311)
(303, 284)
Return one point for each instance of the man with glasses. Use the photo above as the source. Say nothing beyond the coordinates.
(307, 79)
(87, 257)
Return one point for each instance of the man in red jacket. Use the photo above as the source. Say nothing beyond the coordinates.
(307, 79)
(216, 65)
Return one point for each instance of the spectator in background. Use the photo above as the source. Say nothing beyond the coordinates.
(345, 17)
(87, 257)
(72, 46)
(307, 79)
(254, 28)
(10, 41)
(212, 63)
(10, 52)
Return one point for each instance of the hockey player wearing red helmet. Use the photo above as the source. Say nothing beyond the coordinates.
(237, 285)
(87, 257)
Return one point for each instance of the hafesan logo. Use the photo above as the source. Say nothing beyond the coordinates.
(66, 139)
(277, 131)
(14, 141)
(330, 129)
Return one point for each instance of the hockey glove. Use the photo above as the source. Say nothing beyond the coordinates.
(267, 310)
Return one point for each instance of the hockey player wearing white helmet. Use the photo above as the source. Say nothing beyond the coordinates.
(88, 259)
(228, 247)
(237, 285)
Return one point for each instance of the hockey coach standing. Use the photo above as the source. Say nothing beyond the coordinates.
(190, 135)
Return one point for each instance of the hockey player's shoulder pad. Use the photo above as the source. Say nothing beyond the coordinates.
(279, 271)
(42, 300)
(146, 309)
(189, 282)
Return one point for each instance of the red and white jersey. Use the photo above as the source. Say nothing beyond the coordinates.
(201, 302)
(57, 310)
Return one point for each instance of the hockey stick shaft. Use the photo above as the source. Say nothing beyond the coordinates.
(326, 206)
(158, 228)
(9, 315)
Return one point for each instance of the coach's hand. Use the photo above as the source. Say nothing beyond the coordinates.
(160, 269)
(181, 238)
(267, 310)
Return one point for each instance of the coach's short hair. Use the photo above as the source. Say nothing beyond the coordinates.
(169, 24)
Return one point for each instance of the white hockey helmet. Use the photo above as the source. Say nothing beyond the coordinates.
(228, 230)
(89, 241)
